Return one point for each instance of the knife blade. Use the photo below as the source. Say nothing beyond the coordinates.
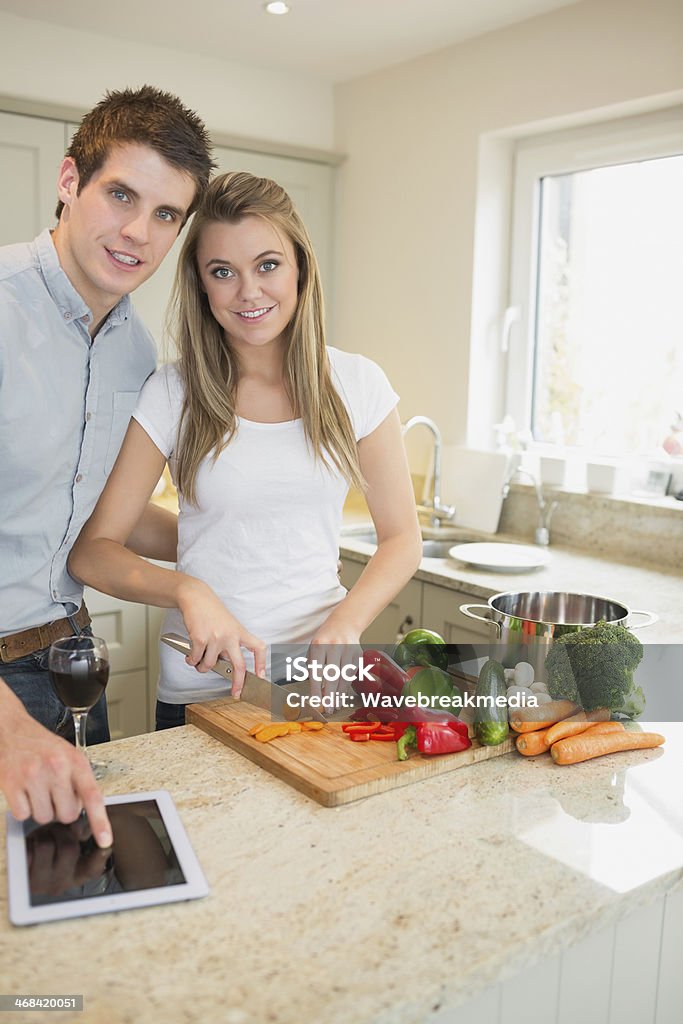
(257, 691)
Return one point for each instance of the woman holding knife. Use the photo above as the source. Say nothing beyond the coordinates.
(264, 428)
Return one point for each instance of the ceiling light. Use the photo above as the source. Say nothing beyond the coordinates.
(277, 7)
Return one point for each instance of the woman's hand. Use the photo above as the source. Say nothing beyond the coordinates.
(336, 643)
(213, 632)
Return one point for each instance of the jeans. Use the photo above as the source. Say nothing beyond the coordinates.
(29, 679)
(169, 716)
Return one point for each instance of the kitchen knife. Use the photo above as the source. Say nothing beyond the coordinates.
(257, 691)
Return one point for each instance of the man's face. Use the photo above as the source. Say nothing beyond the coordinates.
(114, 235)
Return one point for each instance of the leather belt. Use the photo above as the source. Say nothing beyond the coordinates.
(28, 641)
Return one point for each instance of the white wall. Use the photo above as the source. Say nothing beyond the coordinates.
(417, 135)
(45, 62)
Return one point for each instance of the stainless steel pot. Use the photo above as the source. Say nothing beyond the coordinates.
(529, 616)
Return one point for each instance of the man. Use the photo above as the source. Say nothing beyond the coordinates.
(73, 356)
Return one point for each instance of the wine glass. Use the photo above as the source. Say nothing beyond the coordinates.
(79, 670)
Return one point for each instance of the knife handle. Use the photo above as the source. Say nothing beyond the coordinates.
(182, 644)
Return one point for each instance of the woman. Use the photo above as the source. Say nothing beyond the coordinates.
(264, 428)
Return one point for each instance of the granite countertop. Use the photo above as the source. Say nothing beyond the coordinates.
(637, 586)
(316, 914)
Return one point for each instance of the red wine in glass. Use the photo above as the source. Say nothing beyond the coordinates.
(79, 670)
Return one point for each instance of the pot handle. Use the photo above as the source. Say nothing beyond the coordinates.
(650, 617)
(465, 609)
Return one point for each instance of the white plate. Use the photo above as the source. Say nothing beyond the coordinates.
(500, 557)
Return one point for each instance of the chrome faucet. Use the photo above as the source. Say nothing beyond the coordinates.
(435, 510)
(545, 510)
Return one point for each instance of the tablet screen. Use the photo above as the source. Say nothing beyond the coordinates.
(65, 864)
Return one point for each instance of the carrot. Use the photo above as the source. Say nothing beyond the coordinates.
(312, 726)
(583, 747)
(271, 732)
(542, 717)
(603, 727)
(576, 724)
(531, 743)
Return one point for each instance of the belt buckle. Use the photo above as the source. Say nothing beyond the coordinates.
(3, 658)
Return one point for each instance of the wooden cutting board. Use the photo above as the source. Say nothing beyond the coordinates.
(326, 765)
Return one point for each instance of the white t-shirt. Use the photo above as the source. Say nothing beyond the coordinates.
(265, 531)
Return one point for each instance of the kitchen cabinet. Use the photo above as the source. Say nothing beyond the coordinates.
(127, 700)
(441, 612)
(31, 150)
(420, 604)
(631, 969)
(123, 625)
(155, 618)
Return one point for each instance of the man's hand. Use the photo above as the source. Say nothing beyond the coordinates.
(59, 858)
(43, 776)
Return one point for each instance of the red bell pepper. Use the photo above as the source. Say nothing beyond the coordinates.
(388, 674)
(434, 738)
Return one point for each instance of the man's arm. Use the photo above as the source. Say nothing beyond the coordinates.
(43, 776)
(155, 535)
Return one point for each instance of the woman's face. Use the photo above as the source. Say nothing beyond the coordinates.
(250, 276)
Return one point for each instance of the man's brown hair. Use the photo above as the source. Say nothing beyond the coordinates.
(148, 117)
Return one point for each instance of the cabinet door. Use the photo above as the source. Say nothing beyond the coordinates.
(155, 619)
(123, 626)
(441, 612)
(127, 704)
(31, 150)
(403, 613)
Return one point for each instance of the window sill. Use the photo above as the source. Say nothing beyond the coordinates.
(667, 501)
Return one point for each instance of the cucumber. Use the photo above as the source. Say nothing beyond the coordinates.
(491, 723)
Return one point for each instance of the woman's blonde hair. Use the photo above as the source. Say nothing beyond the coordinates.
(208, 366)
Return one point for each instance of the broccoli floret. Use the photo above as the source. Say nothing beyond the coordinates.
(634, 703)
(594, 667)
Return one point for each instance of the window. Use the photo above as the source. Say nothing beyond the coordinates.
(596, 356)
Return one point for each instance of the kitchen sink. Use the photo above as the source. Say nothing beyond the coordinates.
(437, 548)
(431, 548)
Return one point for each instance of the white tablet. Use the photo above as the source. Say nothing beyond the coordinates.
(56, 871)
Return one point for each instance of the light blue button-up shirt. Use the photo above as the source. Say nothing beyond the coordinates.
(65, 403)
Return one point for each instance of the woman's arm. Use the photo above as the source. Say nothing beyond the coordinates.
(155, 535)
(101, 559)
(391, 502)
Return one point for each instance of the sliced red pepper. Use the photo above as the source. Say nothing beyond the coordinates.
(359, 737)
(383, 737)
(361, 726)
